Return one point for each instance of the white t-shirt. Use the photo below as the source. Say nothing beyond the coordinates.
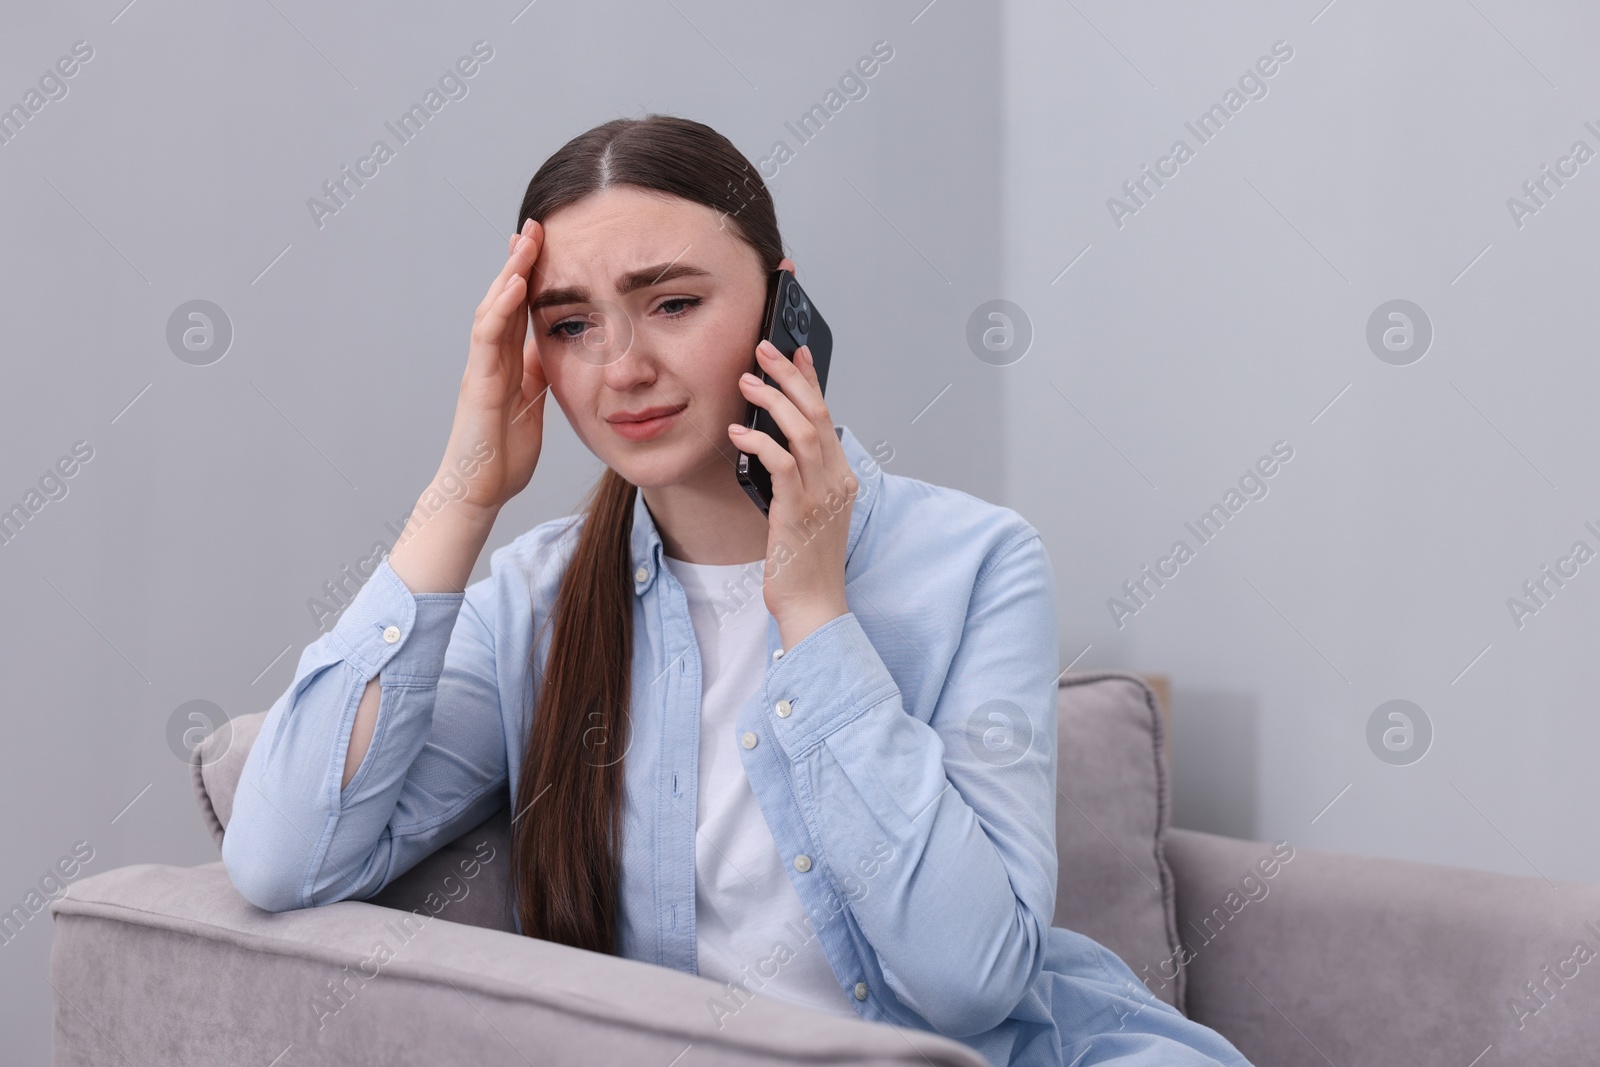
(744, 903)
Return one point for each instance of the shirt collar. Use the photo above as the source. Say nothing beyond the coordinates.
(646, 541)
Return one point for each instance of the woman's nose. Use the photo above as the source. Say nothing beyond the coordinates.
(628, 363)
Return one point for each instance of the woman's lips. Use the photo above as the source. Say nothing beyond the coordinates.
(646, 429)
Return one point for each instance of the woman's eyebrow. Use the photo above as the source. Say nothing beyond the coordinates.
(634, 279)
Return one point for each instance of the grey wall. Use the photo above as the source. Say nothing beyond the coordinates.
(1222, 316)
(178, 166)
(1229, 311)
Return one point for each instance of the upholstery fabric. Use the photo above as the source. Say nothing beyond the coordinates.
(199, 976)
(1112, 806)
(1357, 959)
(1342, 959)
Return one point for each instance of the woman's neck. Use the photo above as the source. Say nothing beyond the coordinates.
(707, 518)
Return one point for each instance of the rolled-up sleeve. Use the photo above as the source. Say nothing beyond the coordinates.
(436, 764)
(958, 917)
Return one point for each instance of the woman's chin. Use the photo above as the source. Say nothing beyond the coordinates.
(674, 464)
(653, 465)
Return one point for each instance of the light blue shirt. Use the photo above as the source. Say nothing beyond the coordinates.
(903, 754)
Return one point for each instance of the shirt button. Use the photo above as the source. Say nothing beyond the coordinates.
(777, 654)
(861, 991)
(802, 863)
(748, 740)
(641, 574)
(391, 634)
(784, 708)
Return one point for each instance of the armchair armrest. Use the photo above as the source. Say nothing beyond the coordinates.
(160, 964)
(1352, 959)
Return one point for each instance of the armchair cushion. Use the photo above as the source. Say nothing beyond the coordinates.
(1112, 808)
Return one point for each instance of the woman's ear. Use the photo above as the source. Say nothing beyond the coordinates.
(786, 264)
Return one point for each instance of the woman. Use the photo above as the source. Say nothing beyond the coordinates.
(810, 755)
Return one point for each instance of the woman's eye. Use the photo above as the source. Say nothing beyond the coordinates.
(673, 307)
(559, 330)
(682, 303)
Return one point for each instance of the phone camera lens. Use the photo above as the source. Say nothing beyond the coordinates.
(793, 295)
(803, 320)
(788, 318)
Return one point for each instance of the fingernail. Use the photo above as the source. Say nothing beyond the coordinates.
(734, 427)
(749, 379)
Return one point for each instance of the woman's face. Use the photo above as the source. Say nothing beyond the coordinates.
(647, 303)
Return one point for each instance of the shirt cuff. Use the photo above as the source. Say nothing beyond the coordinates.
(829, 678)
(389, 628)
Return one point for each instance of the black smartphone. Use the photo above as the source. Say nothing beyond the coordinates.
(791, 321)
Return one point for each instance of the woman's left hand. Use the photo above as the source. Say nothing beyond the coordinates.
(813, 493)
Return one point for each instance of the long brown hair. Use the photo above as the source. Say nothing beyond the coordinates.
(565, 839)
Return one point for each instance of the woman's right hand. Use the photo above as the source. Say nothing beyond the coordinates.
(499, 422)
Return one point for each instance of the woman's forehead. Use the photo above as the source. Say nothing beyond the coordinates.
(617, 231)
(629, 213)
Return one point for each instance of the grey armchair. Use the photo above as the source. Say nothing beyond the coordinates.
(1299, 957)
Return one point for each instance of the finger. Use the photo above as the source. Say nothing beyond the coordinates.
(779, 462)
(517, 264)
(501, 319)
(807, 367)
(486, 354)
(514, 344)
(830, 443)
(530, 398)
(803, 391)
(534, 382)
(802, 434)
(520, 258)
(796, 385)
